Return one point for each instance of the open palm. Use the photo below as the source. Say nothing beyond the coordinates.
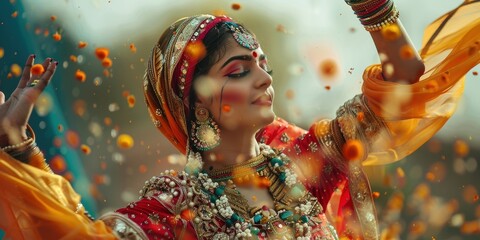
(16, 110)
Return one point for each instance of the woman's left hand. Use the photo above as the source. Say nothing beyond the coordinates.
(15, 112)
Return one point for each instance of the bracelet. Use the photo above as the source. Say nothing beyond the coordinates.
(28, 152)
(370, 10)
(390, 20)
(352, 2)
(30, 130)
(21, 144)
(24, 153)
(18, 145)
(374, 14)
(379, 15)
(367, 5)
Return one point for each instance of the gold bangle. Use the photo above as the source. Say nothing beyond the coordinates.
(38, 160)
(379, 26)
(378, 16)
(24, 154)
(30, 130)
(18, 145)
(21, 144)
(360, 3)
(365, 5)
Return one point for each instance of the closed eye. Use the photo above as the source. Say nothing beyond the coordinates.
(238, 75)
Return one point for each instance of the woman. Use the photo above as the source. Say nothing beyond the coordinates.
(249, 174)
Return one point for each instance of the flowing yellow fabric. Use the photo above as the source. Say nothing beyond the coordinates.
(35, 204)
(414, 113)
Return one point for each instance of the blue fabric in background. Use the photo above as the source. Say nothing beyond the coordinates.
(17, 41)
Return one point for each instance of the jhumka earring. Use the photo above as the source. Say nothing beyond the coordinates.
(205, 132)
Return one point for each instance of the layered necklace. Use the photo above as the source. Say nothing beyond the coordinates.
(294, 206)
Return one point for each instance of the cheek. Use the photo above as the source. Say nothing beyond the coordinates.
(233, 96)
(233, 101)
(233, 105)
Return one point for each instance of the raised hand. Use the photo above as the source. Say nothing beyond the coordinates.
(15, 112)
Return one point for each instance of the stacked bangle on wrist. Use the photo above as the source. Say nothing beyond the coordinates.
(374, 14)
(18, 146)
(28, 152)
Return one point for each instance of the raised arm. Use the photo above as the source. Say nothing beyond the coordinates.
(34, 203)
(16, 110)
(399, 58)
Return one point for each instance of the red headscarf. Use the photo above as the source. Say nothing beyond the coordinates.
(169, 74)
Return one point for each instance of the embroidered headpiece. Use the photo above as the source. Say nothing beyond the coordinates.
(170, 70)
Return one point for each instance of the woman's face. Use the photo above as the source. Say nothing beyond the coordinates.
(237, 90)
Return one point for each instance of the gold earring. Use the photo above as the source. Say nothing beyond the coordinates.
(205, 132)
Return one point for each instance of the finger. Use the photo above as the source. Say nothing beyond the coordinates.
(45, 65)
(45, 79)
(26, 72)
(2, 98)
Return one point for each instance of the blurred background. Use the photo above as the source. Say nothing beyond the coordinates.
(94, 128)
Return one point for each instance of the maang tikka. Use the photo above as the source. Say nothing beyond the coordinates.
(242, 37)
(205, 132)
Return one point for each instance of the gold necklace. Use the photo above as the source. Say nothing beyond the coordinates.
(282, 196)
(246, 169)
(293, 203)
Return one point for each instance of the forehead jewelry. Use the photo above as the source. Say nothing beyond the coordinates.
(242, 37)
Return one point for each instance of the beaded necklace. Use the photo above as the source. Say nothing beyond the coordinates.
(293, 204)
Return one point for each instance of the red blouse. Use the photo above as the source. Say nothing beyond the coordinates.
(322, 176)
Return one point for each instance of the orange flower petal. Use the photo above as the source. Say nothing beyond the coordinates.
(187, 214)
(56, 36)
(85, 149)
(16, 70)
(37, 69)
(391, 32)
(102, 53)
(125, 141)
(80, 75)
(131, 101)
(328, 68)
(353, 150)
(57, 164)
(236, 6)
(82, 44)
(72, 138)
(461, 148)
(196, 50)
(132, 47)
(226, 108)
(406, 52)
(107, 62)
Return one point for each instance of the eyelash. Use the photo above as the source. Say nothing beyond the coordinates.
(238, 75)
(244, 73)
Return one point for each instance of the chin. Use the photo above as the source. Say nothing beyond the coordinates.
(256, 120)
(267, 118)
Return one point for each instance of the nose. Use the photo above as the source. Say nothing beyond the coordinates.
(264, 80)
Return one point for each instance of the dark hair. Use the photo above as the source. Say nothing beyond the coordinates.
(216, 44)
